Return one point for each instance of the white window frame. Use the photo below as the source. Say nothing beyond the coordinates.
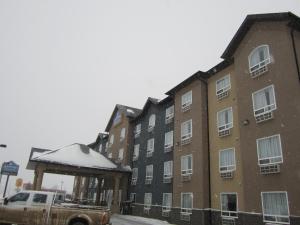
(226, 126)
(151, 123)
(186, 210)
(170, 133)
(149, 169)
(270, 158)
(167, 207)
(230, 168)
(110, 155)
(136, 152)
(122, 134)
(137, 130)
(170, 175)
(111, 140)
(267, 108)
(134, 178)
(261, 64)
(188, 135)
(232, 214)
(224, 89)
(169, 113)
(121, 154)
(185, 104)
(147, 195)
(276, 216)
(149, 149)
(100, 148)
(189, 171)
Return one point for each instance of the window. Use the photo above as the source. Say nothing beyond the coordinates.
(133, 197)
(169, 114)
(269, 153)
(259, 58)
(227, 160)
(186, 101)
(229, 204)
(186, 203)
(186, 165)
(136, 152)
(137, 130)
(122, 134)
(167, 201)
(147, 200)
(264, 103)
(20, 197)
(134, 176)
(275, 207)
(186, 132)
(39, 198)
(151, 122)
(149, 174)
(106, 146)
(150, 147)
(169, 139)
(117, 118)
(121, 153)
(110, 155)
(223, 86)
(168, 171)
(100, 148)
(111, 140)
(224, 122)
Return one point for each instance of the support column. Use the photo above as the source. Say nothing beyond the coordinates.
(115, 206)
(38, 178)
(98, 193)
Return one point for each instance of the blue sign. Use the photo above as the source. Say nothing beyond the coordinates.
(10, 168)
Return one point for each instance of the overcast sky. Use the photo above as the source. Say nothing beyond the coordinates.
(64, 64)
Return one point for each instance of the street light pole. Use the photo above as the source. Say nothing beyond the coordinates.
(1, 146)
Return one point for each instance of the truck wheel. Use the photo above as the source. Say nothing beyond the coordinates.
(78, 223)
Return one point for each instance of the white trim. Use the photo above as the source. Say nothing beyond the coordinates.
(227, 88)
(186, 104)
(228, 125)
(188, 135)
(288, 208)
(265, 111)
(188, 171)
(237, 208)
(192, 195)
(267, 60)
(228, 165)
(257, 150)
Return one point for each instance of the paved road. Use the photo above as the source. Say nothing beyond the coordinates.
(134, 220)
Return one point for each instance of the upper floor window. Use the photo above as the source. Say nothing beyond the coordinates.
(111, 140)
(186, 203)
(122, 134)
(229, 205)
(186, 165)
(137, 130)
(134, 176)
(151, 122)
(106, 146)
(168, 139)
(117, 118)
(169, 114)
(186, 132)
(225, 121)
(269, 154)
(264, 103)
(259, 58)
(136, 151)
(223, 86)
(149, 174)
(110, 155)
(168, 169)
(147, 201)
(100, 148)
(121, 154)
(167, 201)
(150, 147)
(275, 207)
(227, 161)
(186, 101)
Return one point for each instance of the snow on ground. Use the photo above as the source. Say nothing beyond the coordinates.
(135, 220)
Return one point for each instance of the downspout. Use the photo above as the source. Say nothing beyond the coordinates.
(295, 52)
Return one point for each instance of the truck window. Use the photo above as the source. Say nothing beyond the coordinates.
(20, 197)
(39, 198)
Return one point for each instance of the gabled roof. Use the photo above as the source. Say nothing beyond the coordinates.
(100, 136)
(150, 101)
(197, 76)
(249, 21)
(76, 155)
(130, 112)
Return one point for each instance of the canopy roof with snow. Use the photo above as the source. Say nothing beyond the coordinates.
(75, 155)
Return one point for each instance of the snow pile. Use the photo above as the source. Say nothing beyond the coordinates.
(75, 155)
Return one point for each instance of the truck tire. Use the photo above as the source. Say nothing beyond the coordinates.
(78, 223)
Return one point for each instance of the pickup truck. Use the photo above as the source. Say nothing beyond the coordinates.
(39, 208)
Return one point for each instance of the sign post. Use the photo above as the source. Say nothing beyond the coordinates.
(10, 169)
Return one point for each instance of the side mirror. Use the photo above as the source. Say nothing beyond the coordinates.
(5, 201)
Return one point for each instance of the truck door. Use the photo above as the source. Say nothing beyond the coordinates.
(38, 211)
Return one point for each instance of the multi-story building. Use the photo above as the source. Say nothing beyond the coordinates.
(152, 159)
(223, 147)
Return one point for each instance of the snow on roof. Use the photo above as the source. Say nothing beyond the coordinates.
(130, 111)
(75, 155)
